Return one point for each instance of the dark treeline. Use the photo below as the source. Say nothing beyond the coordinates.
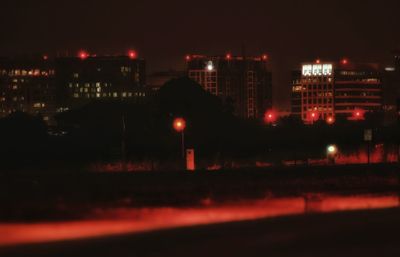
(94, 133)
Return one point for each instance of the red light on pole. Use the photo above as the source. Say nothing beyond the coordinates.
(83, 55)
(265, 57)
(45, 57)
(345, 61)
(270, 117)
(179, 125)
(132, 54)
(187, 58)
(228, 56)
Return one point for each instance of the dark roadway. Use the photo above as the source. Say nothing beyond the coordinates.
(361, 233)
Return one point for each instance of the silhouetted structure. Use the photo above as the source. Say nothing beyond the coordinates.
(243, 82)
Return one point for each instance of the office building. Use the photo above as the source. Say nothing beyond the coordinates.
(244, 82)
(328, 90)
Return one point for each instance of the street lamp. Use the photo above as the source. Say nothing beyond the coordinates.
(179, 125)
(331, 152)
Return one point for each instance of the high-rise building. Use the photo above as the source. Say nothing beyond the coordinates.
(39, 85)
(85, 78)
(241, 81)
(328, 90)
(27, 84)
(391, 96)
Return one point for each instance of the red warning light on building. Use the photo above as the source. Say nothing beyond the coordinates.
(270, 117)
(132, 54)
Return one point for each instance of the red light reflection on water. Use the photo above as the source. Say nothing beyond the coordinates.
(123, 221)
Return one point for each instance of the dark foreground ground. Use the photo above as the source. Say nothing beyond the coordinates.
(363, 233)
(55, 195)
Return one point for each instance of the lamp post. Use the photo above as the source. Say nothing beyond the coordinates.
(331, 152)
(179, 125)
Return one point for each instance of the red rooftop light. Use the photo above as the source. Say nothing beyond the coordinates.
(345, 61)
(83, 55)
(318, 61)
(228, 56)
(187, 57)
(132, 54)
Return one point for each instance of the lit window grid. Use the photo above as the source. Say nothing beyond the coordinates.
(317, 96)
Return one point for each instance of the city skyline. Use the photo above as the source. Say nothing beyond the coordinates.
(287, 31)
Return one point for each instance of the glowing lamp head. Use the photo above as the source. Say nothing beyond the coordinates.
(228, 56)
(83, 55)
(179, 124)
(187, 58)
(318, 61)
(345, 61)
(45, 57)
(132, 54)
(332, 149)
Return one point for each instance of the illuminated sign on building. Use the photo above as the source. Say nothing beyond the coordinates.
(317, 70)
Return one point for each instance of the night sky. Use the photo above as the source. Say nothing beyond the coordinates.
(164, 31)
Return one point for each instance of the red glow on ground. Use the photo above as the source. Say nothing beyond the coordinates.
(123, 221)
(179, 124)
